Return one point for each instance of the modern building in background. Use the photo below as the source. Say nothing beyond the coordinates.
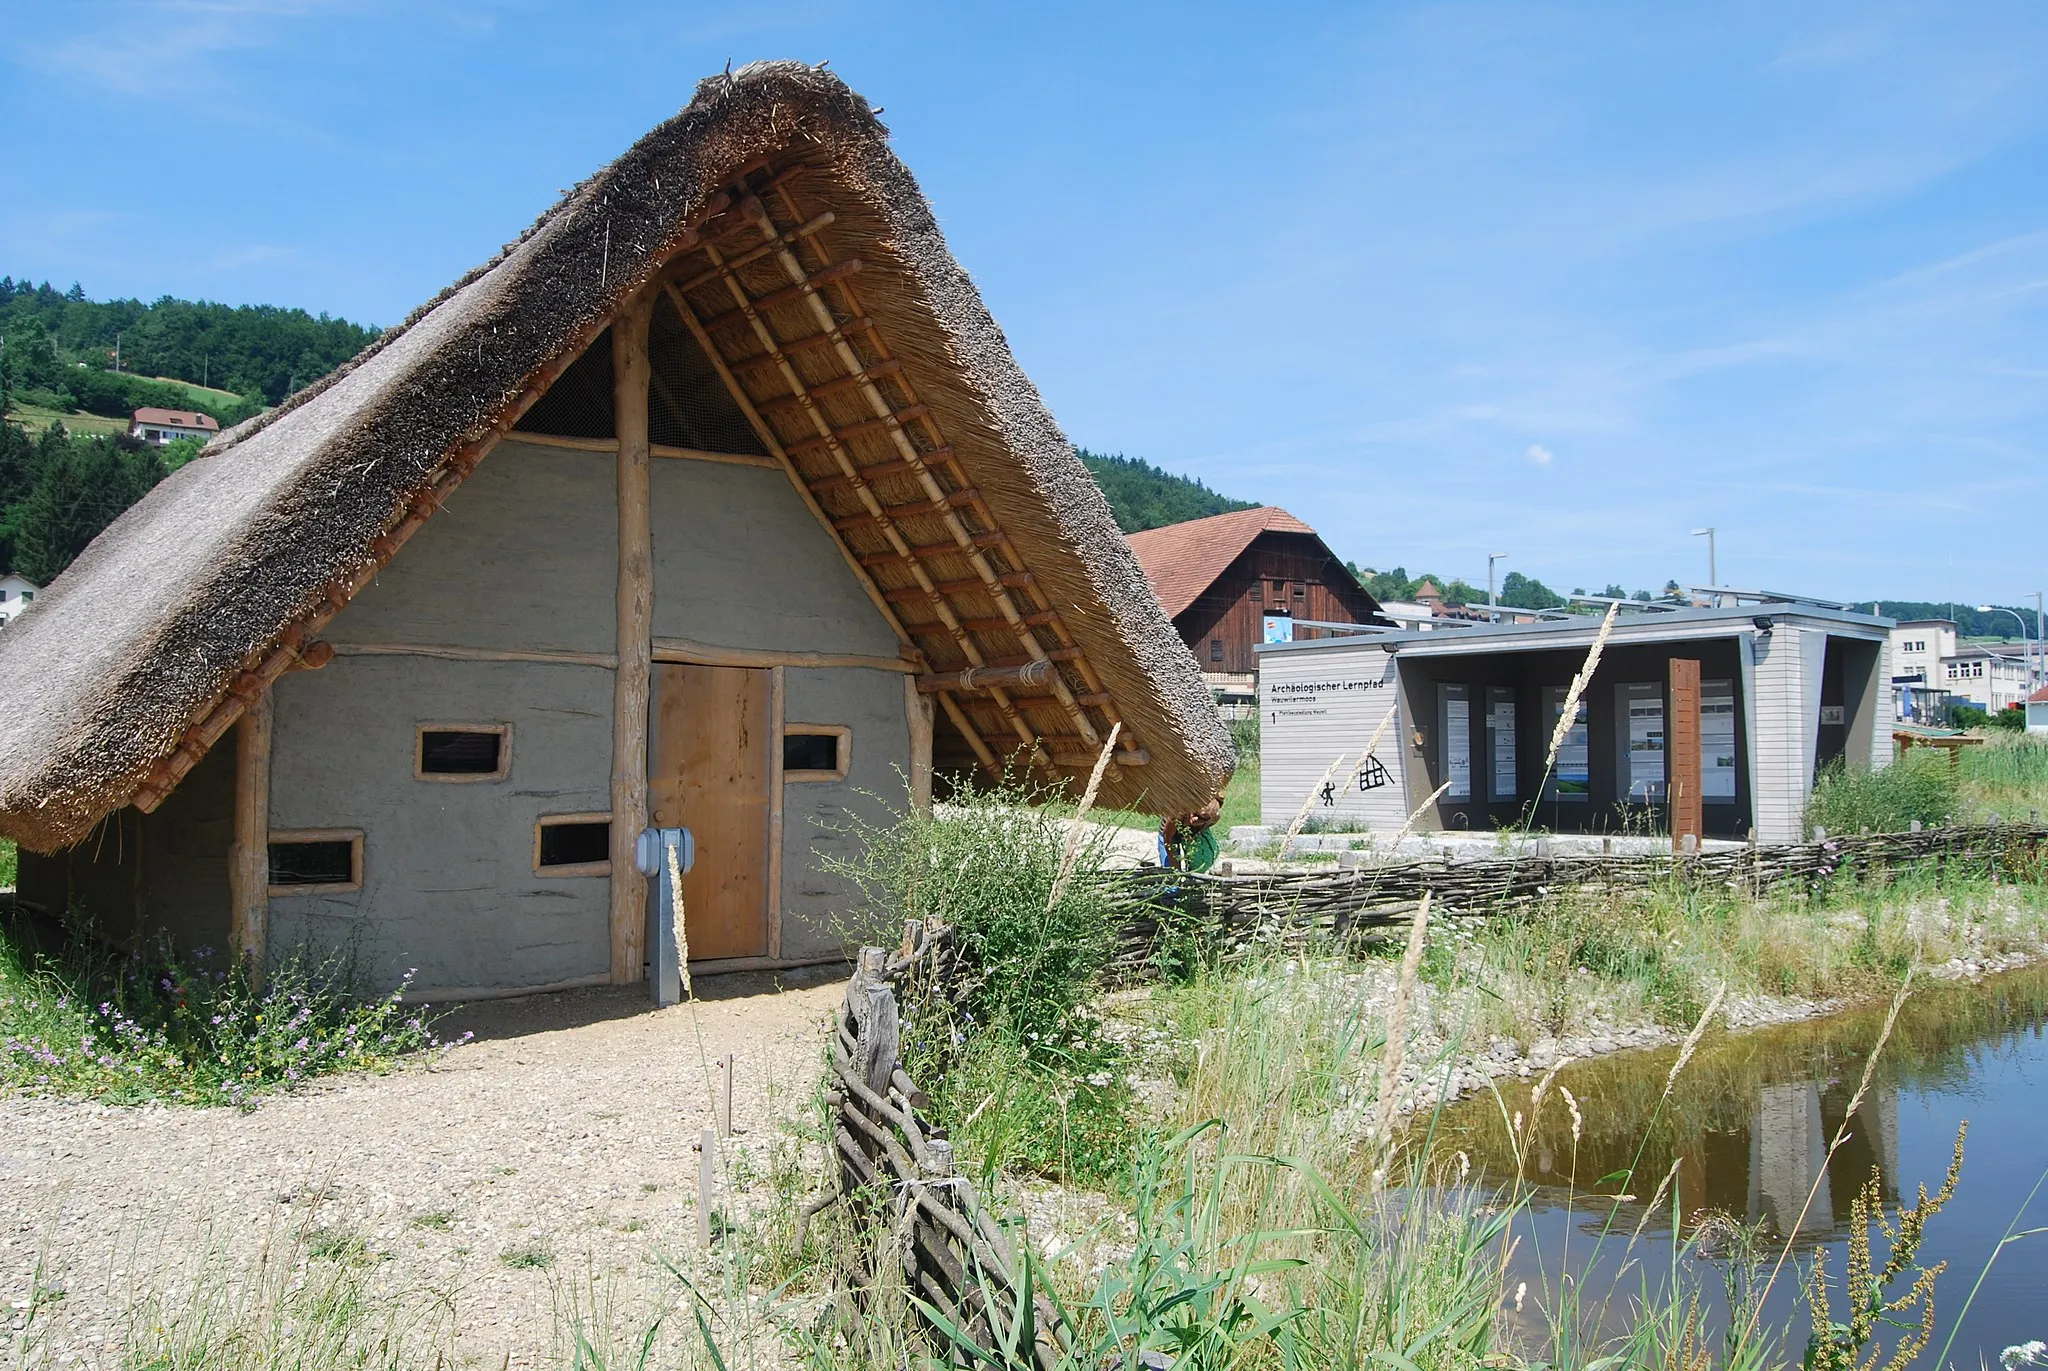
(1784, 687)
(1918, 647)
(162, 426)
(1233, 581)
(1991, 678)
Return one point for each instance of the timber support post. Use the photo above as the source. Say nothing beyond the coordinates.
(1682, 760)
(631, 372)
(249, 857)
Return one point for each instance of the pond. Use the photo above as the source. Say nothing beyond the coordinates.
(1744, 1136)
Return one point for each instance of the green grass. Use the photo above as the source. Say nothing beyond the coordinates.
(2007, 775)
(35, 418)
(10, 864)
(126, 1030)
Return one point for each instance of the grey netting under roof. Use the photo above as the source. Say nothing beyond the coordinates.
(688, 404)
(579, 403)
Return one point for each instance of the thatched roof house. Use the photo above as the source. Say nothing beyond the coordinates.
(755, 296)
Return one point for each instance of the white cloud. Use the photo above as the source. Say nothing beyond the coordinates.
(1540, 455)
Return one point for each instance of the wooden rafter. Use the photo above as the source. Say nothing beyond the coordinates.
(830, 443)
(1035, 598)
(889, 419)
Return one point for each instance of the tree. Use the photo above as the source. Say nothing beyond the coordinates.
(1524, 592)
(1614, 592)
(82, 485)
(1142, 496)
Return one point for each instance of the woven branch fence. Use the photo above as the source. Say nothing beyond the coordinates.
(895, 1167)
(1284, 907)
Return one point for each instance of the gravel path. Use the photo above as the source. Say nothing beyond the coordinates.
(566, 1128)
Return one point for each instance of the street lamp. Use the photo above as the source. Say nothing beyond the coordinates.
(1713, 571)
(1492, 604)
(2026, 650)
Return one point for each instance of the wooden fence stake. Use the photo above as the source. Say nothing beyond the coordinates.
(725, 1070)
(707, 1184)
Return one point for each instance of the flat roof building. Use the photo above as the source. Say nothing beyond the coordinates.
(1767, 692)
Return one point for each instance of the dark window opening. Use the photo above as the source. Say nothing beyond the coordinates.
(1258, 593)
(1300, 590)
(579, 403)
(1215, 649)
(461, 752)
(326, 861)
(810, 752)
(575, 844)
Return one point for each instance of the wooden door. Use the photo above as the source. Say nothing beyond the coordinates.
(709, 772)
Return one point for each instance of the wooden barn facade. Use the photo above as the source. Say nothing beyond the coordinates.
(716, 501)
(1221, 578)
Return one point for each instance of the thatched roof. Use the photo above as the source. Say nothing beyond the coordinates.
(994, 548)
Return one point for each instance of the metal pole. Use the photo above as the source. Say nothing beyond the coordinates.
(1493, 603)
(1713, 567)
(2041, 644)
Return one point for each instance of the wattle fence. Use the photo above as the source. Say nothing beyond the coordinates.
(895, 1167)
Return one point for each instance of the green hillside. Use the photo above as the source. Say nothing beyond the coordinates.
(1142, 496)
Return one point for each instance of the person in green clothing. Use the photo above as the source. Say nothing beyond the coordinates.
(1187, 842)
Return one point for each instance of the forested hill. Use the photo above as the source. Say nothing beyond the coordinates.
(260, 352)
(1141, 496)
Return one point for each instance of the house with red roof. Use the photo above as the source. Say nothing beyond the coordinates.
(1221, 579)
(160, 426)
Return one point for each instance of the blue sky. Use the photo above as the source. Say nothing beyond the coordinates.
(1561, 281)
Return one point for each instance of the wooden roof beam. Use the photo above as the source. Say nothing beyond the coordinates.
(892, 420)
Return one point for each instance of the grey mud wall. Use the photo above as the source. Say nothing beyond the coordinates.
(523, 562)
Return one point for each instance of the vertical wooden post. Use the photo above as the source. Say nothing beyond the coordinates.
(1682, 771)
(917, 708)
(726, 1064)
(777, 712)
(249, 855)
(635, 604)
(707, 1184)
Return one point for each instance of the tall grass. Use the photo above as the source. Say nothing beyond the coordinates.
(1919, 785)
(2007, 775)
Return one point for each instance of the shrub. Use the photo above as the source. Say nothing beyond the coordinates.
(985, 864)
(161, 1027)
(1919, 785)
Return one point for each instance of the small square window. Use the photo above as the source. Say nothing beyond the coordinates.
(573, 845)
(815, 752)
(1300, 590)
(1215, 649)
(316, 861)
(1258, 593)
(462, 752)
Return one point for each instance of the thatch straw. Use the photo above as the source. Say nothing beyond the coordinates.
(1078, 826)
(1307, 803)
(1570, 715)
(1397, 1022)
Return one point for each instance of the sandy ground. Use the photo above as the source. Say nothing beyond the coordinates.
(567, 1127)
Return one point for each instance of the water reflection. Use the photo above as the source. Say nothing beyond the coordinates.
(1744, 1136)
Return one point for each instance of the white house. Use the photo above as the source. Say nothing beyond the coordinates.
(15, 593)
(161, 426)
(2037, 711)
(1989, 678)
(1917, 649)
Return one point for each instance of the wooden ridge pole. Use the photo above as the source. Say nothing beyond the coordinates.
(249, 857)
(631, 372)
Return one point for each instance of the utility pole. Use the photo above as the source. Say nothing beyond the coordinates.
(2041, 644)
(117, 352)
(1713, 569)
(1492, 603)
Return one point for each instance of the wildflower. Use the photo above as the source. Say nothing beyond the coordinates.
(1521, 1289)
(2031, 1353)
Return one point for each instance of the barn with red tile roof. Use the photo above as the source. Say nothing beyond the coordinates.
(1220, 578)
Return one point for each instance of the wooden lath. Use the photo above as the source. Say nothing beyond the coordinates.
(832, 444)
(859, 375)
(1037, 601)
